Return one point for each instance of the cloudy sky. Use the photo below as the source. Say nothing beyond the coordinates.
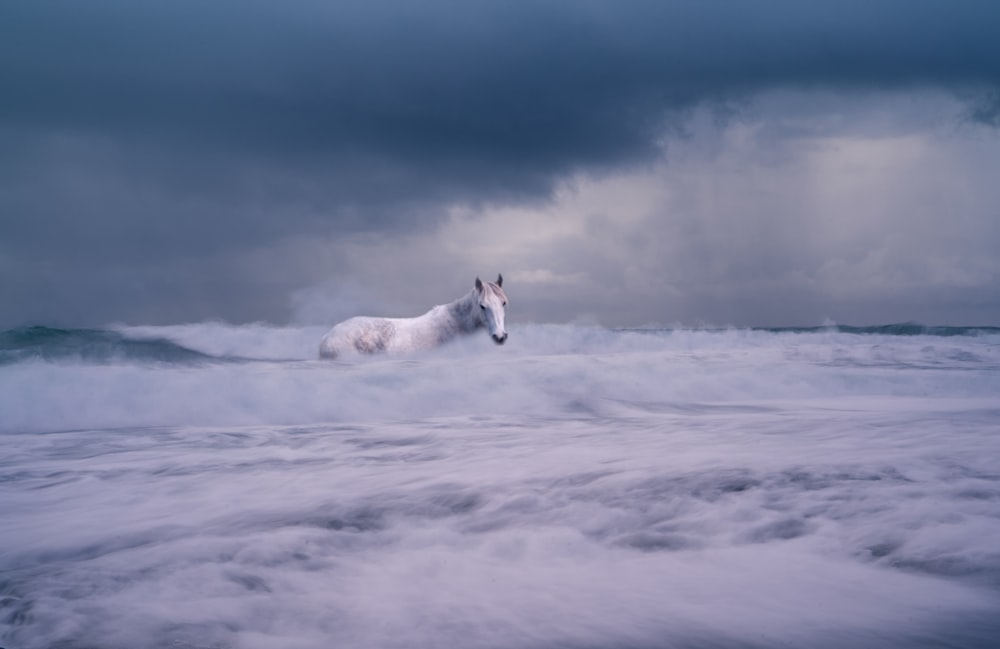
(774, 162)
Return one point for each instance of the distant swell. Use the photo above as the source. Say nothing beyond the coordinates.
(91, 346)
(898, 329)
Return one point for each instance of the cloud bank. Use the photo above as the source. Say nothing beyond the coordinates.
(180, 162)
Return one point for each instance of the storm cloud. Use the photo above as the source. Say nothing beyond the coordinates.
(167, 162)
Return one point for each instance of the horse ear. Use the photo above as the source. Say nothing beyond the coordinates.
(479, 285)
(499, 279)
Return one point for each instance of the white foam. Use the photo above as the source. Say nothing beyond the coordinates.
(686, 488)
(543, 370)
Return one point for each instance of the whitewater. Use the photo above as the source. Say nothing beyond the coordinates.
(218, 486)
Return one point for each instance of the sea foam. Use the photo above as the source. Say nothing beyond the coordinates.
(577, 487)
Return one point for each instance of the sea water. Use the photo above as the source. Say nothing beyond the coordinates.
(215, 486)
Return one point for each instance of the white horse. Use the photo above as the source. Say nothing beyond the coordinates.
(484, 306)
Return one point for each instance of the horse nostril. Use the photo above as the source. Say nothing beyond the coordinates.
(500, 339)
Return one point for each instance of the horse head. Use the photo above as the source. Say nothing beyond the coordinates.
(492, 307)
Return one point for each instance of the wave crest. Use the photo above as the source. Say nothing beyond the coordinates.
(90, 346)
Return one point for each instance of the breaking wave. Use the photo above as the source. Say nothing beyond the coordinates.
(215, 342)
(90, 346)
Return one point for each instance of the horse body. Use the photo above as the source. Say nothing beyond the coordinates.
(483, 307)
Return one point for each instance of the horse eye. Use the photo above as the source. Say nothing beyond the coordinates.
(482, 306)
(505, 304)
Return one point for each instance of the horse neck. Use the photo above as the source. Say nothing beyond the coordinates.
(464, 312)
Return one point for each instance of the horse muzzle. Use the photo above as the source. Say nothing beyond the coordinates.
(501, 339)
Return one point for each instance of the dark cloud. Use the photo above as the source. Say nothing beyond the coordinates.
(513, 89)
(985, 108)
(150, 133)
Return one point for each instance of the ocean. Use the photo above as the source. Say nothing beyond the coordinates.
(217, 486)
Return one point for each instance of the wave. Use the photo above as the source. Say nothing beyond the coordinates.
(92, 346)
(896, 329)
(214, 342)
(220, 374)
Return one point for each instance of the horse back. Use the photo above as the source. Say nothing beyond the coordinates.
(361, 334)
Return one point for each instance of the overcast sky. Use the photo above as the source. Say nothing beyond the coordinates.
(775, 162)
